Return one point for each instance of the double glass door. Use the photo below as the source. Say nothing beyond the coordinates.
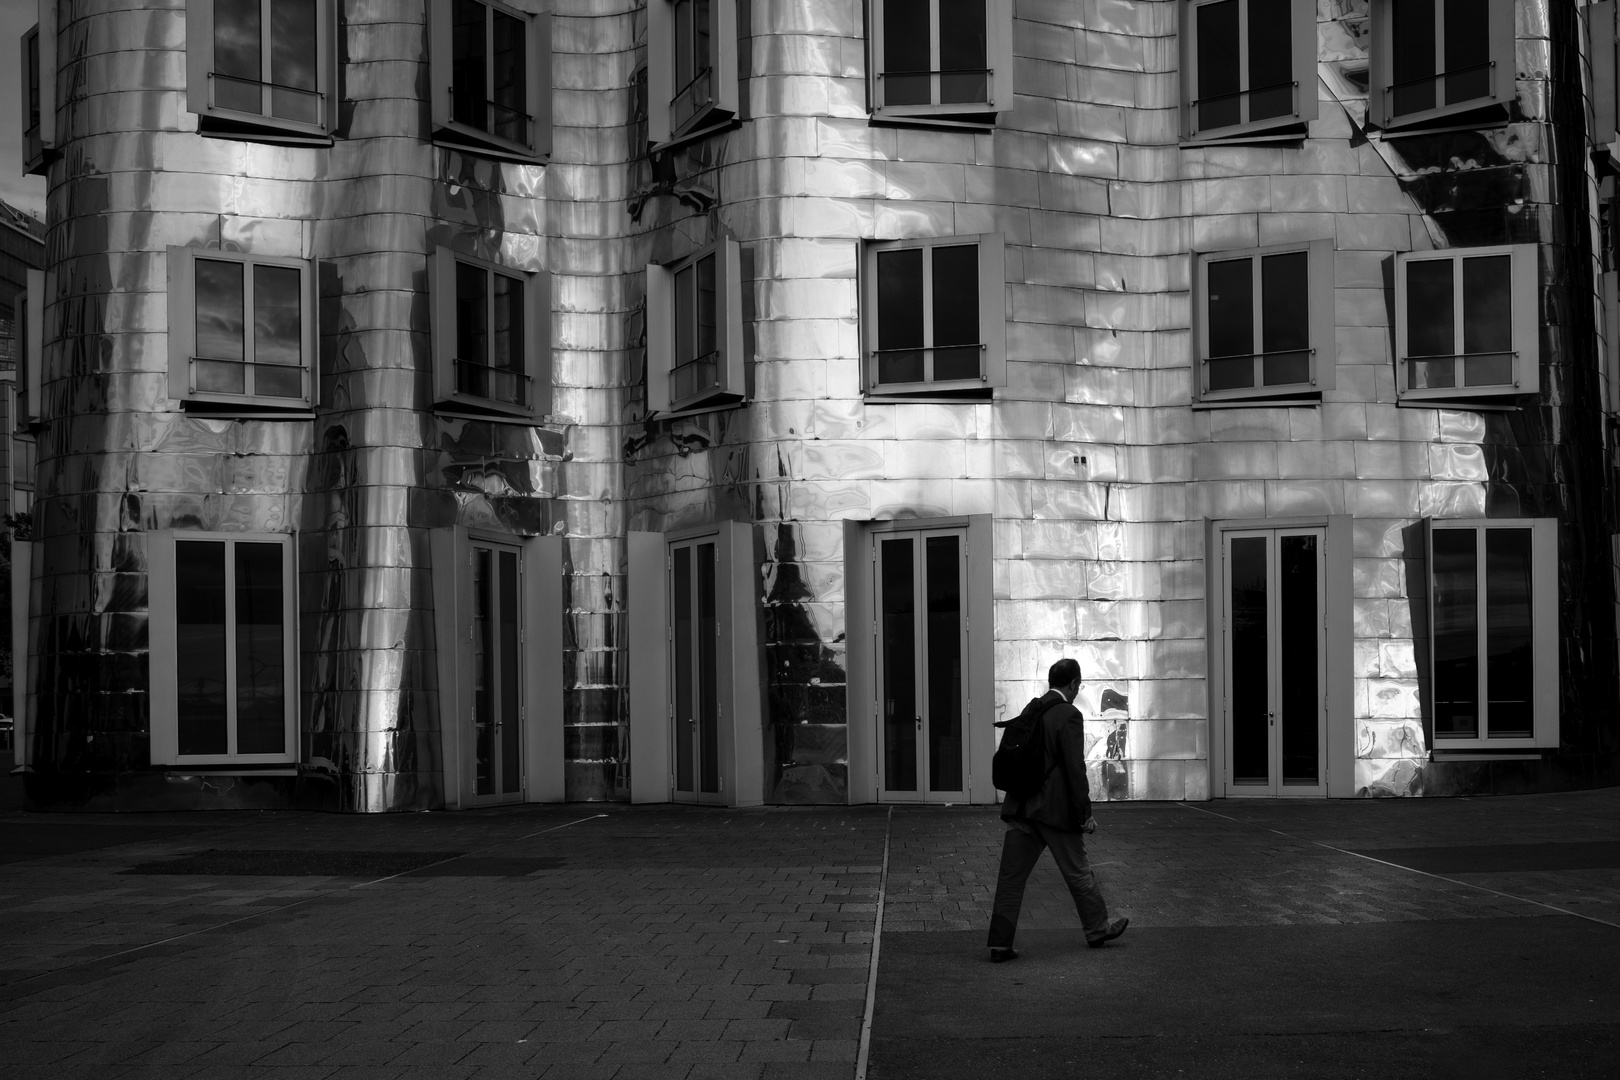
(1275, 648)
(921, 587)
(497, 674)
(695, 670)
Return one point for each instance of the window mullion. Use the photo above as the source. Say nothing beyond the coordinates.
(928, 313)
(249, 321)
(1256, 322)
(1457, 308)
(933, 52)
(230, 648)
(1440, 52)
(488, 112)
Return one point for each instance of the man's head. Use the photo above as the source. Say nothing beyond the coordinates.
(1064, 676)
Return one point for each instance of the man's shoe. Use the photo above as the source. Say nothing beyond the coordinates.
(1116, 927)
(998, 955)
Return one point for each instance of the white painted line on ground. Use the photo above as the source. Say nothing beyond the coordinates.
(877, 941)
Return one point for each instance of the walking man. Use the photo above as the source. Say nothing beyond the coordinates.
(1057, 817)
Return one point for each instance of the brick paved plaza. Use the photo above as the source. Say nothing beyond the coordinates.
(1267, 939)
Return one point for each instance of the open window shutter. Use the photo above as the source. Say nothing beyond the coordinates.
(540, 82)
(199, 54)
(660, 68)
(537, 296)
(182, 322)
(310, 321)
(1322, 334)
(440, 35)
(728, 253)
(32, 345)
(1304, 27)
(993, 307)
(47, 75)
(328, 60)
(660, 331)
(1600, 43)
(998, 21)
(723, 48)
(1378, 66)
(1402, 369)
(1544, 623)
(1526, 319)
(442, 271)
(1504, 81)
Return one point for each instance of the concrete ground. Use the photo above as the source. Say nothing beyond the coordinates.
(1349, 939)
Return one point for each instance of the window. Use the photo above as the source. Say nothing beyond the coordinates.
(224, 663)
(1466, 322)
(1264, 322)
(1250, 68)
(39, 90)
(1493, 631)
(934, 316)
(28, 331)
(491, 67)
(262, 69)
(691, 66)
(241, 329)
(947, 60)
(1435, 61)
(491, 336)
(694, 331)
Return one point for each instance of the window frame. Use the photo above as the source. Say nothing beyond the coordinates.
(992, 266)
(731, 361)
(536, 345)
(1321, 329)
(233, 124)
(38, 61)
(1544, 614)
(1291, 126)
(452, 133)
(1526, 329)
(164, 644)
(29, 312)
(1503, 90)
(723, 106)
(998, 18)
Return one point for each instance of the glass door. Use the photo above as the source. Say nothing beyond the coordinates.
(497, 674)
(921, 580)
(695, 670)
(1275, 649)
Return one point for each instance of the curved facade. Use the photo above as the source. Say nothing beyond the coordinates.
(882, 547)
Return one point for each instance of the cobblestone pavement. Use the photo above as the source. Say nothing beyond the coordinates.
(671, 942)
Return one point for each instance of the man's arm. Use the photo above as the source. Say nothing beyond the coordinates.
(1072, 744)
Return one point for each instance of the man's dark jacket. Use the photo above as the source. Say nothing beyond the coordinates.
(1064, 801)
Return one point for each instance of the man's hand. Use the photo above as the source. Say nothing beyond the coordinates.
(1090, 826)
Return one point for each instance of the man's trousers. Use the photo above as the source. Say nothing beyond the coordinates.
(1020, 850)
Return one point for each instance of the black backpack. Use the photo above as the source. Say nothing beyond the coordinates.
(1019, 766)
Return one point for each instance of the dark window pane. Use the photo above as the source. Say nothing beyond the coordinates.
(1285, 318)
(261, 669)
(1250, 692)
(469, 70)
(511, 701)
(278, 342)
(963, 52)
(683, 43)
(1467, 61)
(685, 715)
(238, 56)
(696, 330)
(33, 81)
(1487, 296)
(472, 330)
(700, 36)
(906, 52)
(685, 314)
(221, 326)
(483, 653)
(1220, 101)
(944, 646)
(506, 354)
(693, 63)
(900, 315)
(708, 657)
(1491, 369)
(1231, 374)
(956, 312)
(200, 637)
(1298, 638)
(897, 597)
(1231, 308)
(1510, 675)
(1430, 315)
(1456, 634)
(293, 61)
(1271, 59)
(706, 324)
(510, 97)
(1413, 64)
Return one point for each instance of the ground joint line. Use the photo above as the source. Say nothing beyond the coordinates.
(1410, 869)
(877, 941)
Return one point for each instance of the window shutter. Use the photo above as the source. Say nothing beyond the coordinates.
(182, 322)
(660, 68)
(442, 269)
(32, 347)
(440, 36)
(723, 50)
(993, 307)
(162, 641)
(1544, 624)
(1504, 80)
(728, 298)
(1304, 27)
(1000, 48)
(1526, 319)
(540, 83)
(1323, 335)
(537, 297)
(1600, 49)
(199, 53)
(1378, 66)
(660, 323)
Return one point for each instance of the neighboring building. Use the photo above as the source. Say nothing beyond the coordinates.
(468, 402)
